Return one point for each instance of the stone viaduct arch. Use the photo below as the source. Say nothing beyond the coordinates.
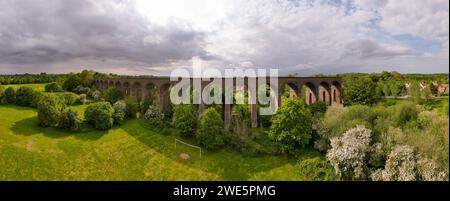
(311, 89)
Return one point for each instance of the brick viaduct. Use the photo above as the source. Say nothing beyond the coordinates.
(312, 89)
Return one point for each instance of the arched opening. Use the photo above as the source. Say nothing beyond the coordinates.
(334, 95)
(336, 89)
(310, 93)
(136, 91)
(118, 85)
(324, 91)
(164, 103)
(289, 90)
(267, 103)
(150, 92)
(126, 89)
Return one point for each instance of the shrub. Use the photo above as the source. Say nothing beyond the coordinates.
(348, 154)
(100, 115)
(69, 120)
(317, 169)
(132, 107)
(168, 111)
(36, 97)
(403, 164)
(82, 99)
(389, 102)
(95, 94)
(113, 94)
(53, 87)
(210, 132)
(49, 107)
(9, 95)
(69, 98)
(339, 119)
(377, 156)
(318, 107)
(432, 140)
(81, 90)
(400, 165)
(429, 171)
(184, 119)
(239, 124)
(24, 96)
(265, 120)
(145, 104)
(120, 109)
(404, 113)
(154, 117)
(291, 125)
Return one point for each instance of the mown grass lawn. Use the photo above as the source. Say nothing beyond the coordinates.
(128, 152)
(36, 87)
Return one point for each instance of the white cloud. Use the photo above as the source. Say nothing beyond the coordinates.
(302, 36)
(427, 19)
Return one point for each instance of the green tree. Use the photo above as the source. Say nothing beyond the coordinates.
(360, 91)
(35, 99)
(24, 96)
(132, 107)
(210, 132)
(426, 93)
(414, 91)
(53, 87)
(87, 78)
(113, 94)
(69, 120)
(71, 82)
(385, 88)
(183, 119)
(50, 108)
(396, 88)
(9, 96)
(291, 125)
(100, 115)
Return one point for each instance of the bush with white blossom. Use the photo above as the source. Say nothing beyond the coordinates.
(153, 116)
(349, 153)
(120, 109)
(403, 164)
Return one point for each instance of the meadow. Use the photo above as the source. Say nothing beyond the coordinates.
(128, 152)
(36, 87)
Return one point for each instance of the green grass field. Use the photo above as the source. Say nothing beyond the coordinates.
(36, 87)
(128, 152)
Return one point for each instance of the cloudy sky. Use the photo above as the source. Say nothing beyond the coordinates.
(154, 37)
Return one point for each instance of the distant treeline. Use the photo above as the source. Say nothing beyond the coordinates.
(396, 76)
(384, 76)
(45, 78)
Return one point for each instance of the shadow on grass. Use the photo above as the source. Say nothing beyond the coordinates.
(230, 164)
(29, 126)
